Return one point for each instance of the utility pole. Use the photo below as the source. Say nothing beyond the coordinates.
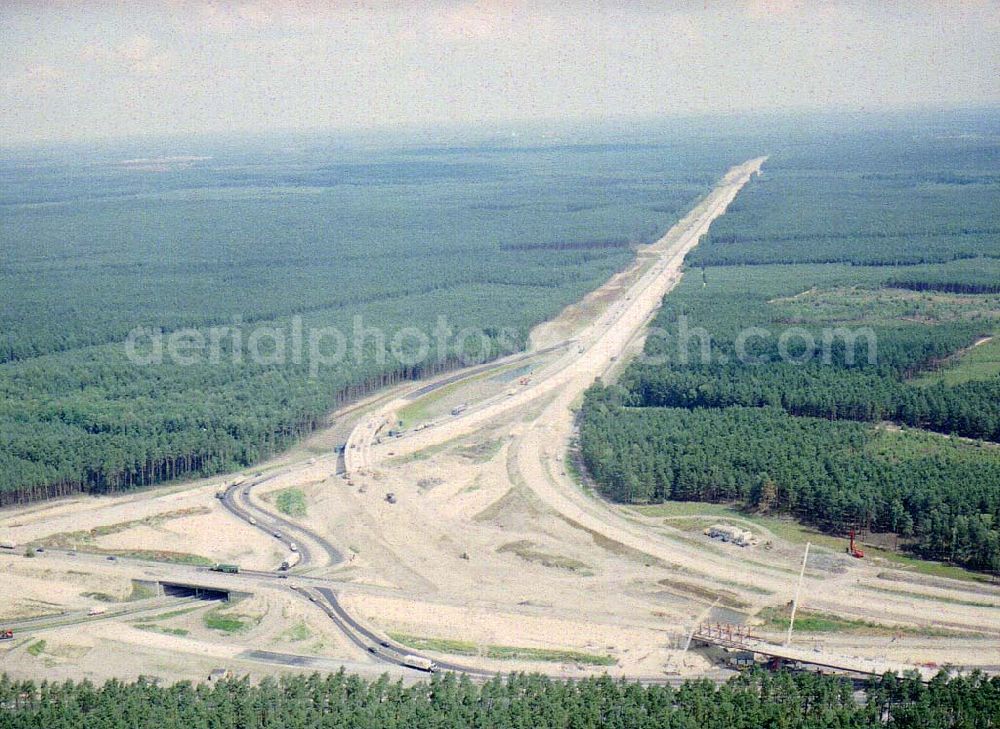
(698, 621)
(795, 602)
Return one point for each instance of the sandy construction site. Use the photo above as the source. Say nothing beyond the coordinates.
(470, 538)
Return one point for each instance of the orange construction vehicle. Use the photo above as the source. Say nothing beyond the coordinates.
(853, 549)
(6, 635)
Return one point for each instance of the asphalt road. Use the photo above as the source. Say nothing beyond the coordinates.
(236, 499)
(470, 372)
(379, 646)
(133, 610)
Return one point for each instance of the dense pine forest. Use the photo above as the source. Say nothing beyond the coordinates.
(751, 701)
(879, 197)
(795, 368)
(284, 234)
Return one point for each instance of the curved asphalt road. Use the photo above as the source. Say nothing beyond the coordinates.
(236, 499)
(379, 646)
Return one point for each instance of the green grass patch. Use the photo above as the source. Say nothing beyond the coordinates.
(482, 452)
(421, 455)
(477, 483)
(86, 537)
(298, 632)
(440, 645)
(161, 629)
(226, 623)
(898, 445)
(976, 363)
(429, 406)
(420, 410)
(526, 551)
(934, 598)
(694, 515)
(685, 514)
(925, 567)
(425, 408)
(501, 652)
(669, 509)
(724, 597)
(576, 471)
(807, 621)
(99, 596)
(516, 500)
(513, 653)
(168, 615)
(157, 555)
(140, 591)
(291, 502)
(876, 305)
(37, 648)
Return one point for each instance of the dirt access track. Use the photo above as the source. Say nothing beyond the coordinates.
(491, 554)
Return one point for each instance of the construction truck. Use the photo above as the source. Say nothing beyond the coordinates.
(290, 561)
(6, 634)
(229, 569)
(419, 662)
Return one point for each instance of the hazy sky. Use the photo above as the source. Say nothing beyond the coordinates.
(82, 69)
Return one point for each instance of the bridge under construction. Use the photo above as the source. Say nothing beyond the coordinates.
(739, 637)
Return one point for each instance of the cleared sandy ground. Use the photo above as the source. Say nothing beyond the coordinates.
(638, 650)
(189, 522)
(38, 587)
(277, 622)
